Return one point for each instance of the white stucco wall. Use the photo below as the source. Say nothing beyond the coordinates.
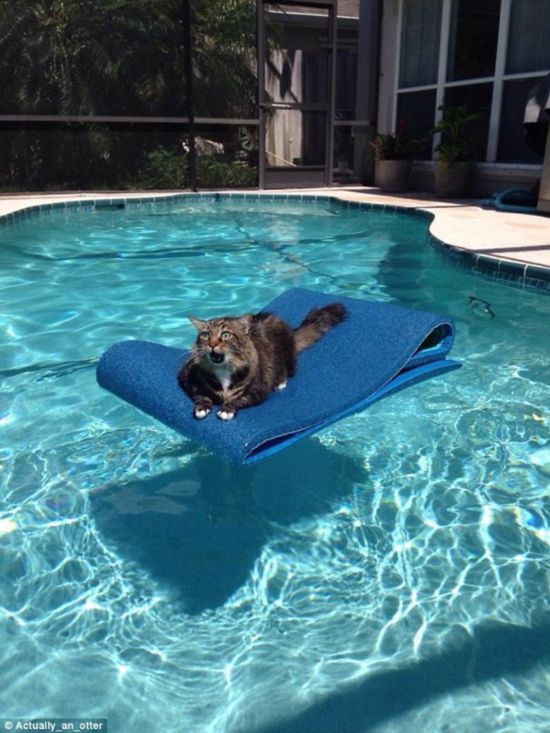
(389, 57)
(544, 191)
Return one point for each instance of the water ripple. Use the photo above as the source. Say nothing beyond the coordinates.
(367, 575)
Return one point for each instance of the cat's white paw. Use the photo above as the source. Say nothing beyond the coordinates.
(226, 414)
(201, 412)
(281, 386)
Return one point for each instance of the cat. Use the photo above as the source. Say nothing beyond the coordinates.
(237, 361)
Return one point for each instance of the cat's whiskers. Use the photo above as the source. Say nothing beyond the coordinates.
(194, 358)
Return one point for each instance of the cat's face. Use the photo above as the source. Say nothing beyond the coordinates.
(222, 340)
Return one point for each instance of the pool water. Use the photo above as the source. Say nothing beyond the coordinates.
(390, 574)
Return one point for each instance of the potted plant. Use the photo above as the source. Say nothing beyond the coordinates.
(454, 166)
(393, 156)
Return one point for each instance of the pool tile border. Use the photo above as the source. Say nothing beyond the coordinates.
(518, 272)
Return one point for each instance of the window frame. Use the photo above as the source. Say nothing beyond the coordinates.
(497, 80)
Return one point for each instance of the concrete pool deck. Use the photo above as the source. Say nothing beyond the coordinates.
(518, 239)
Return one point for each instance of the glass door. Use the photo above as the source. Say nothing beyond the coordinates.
(296, 92)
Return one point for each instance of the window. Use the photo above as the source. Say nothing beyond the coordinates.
(473, 39)
(476, 97)
(529, 38)
(486, 54)
(417, 110)
(420, 43)
(511, 139)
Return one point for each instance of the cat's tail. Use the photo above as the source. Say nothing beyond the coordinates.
(317, 322)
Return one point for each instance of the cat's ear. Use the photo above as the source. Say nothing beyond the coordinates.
(199, 325)
(246, 322)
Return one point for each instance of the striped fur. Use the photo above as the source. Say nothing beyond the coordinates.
(237, 362)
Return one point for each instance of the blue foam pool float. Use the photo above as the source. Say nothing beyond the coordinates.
(379, 349)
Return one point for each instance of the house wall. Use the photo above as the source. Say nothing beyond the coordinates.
(493, 171)
(388, 66)
(544, 193)
(489, 178)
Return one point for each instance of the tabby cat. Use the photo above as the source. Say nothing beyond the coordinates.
(238, 361)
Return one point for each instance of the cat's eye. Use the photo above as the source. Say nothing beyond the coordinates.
(225, 335)
(204, 335)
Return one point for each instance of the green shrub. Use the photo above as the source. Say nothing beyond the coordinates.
(169, 169)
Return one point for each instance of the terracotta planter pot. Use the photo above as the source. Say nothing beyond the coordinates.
(453, 181)
(392, 176)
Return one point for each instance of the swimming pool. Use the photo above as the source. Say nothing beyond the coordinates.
(390, 574)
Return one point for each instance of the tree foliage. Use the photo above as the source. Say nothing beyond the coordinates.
(113, 57)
